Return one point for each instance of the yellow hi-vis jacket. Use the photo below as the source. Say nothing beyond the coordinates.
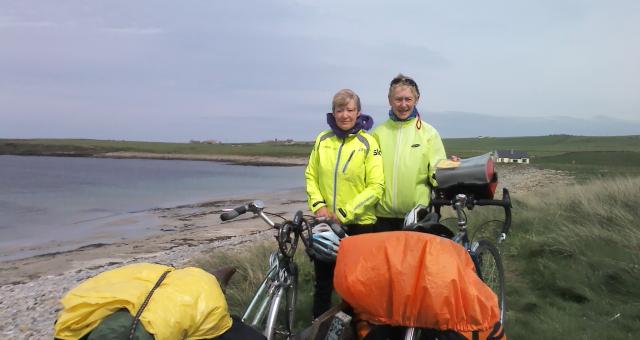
(188, 304)
(410, 156)
(346, 176)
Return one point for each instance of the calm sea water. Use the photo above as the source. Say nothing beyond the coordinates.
(52, 198)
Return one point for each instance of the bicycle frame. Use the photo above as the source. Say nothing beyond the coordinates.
(267, 299)
(281, 278)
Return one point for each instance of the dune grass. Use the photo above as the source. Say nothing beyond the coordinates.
(252, 264)
(572, 263)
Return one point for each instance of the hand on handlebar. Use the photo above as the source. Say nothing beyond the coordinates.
(325, 213)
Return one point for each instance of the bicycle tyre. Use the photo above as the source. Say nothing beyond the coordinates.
(489, 266)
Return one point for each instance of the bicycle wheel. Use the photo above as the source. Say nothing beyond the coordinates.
(491, 271)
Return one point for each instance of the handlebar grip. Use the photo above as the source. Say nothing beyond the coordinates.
(233, 213)
(297, 218)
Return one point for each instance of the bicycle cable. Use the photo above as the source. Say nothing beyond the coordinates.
(473, 236)
(276, 215)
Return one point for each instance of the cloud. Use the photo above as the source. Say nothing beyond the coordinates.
(135, 30)
(9, 22)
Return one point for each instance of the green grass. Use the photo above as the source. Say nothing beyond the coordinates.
(541, 146)
(537, 147)
(587, 165)
(252, 264)
(89, 147)
(572, 263)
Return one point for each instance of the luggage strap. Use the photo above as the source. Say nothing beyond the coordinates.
(136, 319)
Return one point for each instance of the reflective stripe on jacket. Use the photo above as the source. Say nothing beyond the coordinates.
(409, 156)
(346, 176)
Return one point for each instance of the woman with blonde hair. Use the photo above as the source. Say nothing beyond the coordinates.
(344, 180)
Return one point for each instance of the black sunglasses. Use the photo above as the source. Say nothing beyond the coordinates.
(406, 81)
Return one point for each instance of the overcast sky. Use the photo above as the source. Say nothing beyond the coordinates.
(254, 70)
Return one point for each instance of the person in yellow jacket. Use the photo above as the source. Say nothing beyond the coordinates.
(411, 149)
(344, 180)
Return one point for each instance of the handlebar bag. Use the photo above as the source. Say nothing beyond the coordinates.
(474, 176)
(412, 279)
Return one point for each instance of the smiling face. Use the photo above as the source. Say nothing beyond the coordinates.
(346, 115)
(402, 100)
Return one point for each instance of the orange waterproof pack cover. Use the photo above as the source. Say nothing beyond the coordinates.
(413, 279)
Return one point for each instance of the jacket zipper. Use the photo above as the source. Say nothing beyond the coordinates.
(344, 168)
(394, 185)
(335, 177)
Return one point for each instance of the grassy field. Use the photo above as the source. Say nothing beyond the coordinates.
(572, 264)
(90, 147)
(542, 149)
(542, 146)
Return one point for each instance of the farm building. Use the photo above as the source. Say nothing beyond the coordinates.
(512, 156)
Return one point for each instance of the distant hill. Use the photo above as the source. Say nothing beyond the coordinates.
(465, 124)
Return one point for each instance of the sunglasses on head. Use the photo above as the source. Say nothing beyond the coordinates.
(405, 81)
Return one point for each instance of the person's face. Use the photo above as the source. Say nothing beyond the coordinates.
(402, 101)
(346, 115)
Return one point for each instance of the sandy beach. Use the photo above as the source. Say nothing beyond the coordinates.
(30, 288)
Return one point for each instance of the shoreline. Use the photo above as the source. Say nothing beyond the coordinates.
(229, 159)
(187, 225)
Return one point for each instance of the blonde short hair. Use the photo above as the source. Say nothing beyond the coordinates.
(342, 97)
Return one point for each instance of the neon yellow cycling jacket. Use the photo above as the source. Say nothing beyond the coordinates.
(346, 176)
(409, 155)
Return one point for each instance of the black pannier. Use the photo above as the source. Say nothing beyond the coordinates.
(474, 176)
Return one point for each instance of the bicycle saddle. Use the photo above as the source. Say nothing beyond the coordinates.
(223, 275)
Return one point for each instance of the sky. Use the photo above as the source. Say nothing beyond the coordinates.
(258, 70)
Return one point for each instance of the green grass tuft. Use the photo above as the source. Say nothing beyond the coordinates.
(573, 262)
(252, 264)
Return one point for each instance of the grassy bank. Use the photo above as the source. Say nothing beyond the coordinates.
(252, 264)
(90, 147)
(542, 146)
(542, 149)
(572, 264)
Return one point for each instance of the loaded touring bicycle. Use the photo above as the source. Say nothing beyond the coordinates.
(432, 282)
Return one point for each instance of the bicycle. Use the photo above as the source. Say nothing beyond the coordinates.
(281, 280)
(483, 252)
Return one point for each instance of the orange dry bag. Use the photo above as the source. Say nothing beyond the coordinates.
(413, 279)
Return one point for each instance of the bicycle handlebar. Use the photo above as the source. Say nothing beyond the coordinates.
(229, 215)
(505, 203)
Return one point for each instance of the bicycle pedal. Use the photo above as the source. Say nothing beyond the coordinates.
(340, 327)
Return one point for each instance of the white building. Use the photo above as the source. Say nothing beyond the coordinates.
(512, 156)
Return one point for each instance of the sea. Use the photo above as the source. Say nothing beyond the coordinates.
(55, 200)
